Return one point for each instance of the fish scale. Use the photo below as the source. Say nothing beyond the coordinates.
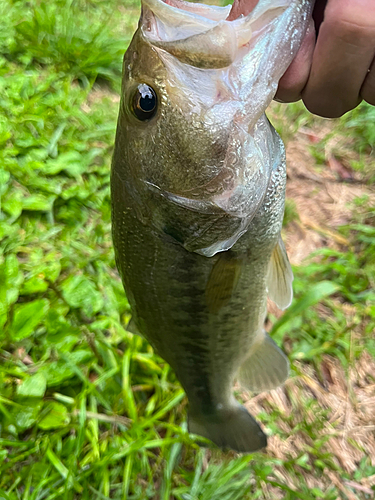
(198, 202)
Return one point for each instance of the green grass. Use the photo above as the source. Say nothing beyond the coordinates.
(87, 410)
(82, 39)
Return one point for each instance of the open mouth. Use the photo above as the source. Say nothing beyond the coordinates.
(183, 28)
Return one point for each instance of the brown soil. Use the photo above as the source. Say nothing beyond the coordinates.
(348, 424)
(323, 198)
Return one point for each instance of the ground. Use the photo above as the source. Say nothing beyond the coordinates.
(87, 409)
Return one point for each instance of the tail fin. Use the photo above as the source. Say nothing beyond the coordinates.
(231, 428)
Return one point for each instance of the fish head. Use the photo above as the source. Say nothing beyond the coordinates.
(181, 144)
(195, 87)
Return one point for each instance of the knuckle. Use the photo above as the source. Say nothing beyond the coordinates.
(350, 19)
(285, 94)
(331, 110)
(368, 88)
(369, 97)
(371, 100)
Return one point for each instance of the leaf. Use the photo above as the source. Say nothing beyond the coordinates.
(62, 162)
(27, 317)
(56, 462)
(39, 183)
(46, 271)
(4, 495)
(4, 179)
(38, 202)
(34, 284)
(34, 386)
(59, 371)
(13, 204)
(56, 323)
(12, 272)
(26, 416)
(57, 416)
(6, 229)
(52, 147)
(56, 372)
(78, 291)
(10, 280)
(317, 293)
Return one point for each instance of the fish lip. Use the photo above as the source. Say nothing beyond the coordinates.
(213, 12)
(163, 24)
(189, 18)
(174, 10)
(200, 35)
(161, 21)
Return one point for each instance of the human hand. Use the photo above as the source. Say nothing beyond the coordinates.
(334, 70)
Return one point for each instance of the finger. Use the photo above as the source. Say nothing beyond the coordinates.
(243, 7)
(368, 88)
(343, 53)
(296, 76)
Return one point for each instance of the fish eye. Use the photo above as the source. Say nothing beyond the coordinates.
(144, 102)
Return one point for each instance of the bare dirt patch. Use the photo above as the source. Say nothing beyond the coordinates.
(347, 405)
(322, 196)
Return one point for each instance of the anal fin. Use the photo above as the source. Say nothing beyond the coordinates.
(280, 277)
(266, 368)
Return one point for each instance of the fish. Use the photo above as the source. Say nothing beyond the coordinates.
(198, 189)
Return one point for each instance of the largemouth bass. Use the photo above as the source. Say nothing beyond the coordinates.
(198, 190)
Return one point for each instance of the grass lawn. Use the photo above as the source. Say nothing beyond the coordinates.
(88, 410)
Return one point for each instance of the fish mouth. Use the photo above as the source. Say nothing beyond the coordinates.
(201, 35)
(224, 74)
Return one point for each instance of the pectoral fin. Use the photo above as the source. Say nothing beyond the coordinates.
(280, 277)
(266, 368)
(222, 281)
